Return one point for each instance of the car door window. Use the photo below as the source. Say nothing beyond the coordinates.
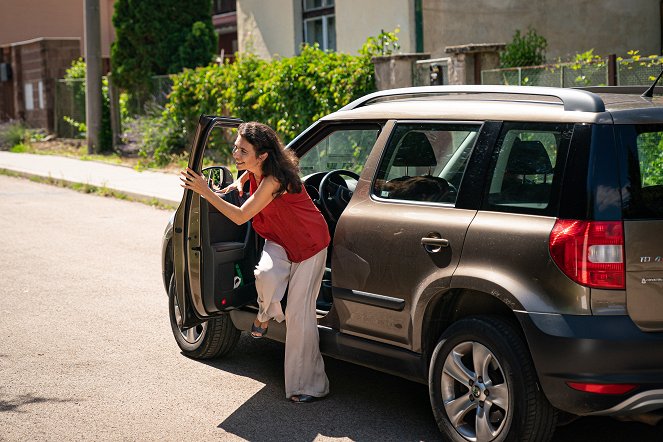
(344, 148)
(425, 162)
(524, 167)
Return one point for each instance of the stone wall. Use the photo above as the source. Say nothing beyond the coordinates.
(570, 26)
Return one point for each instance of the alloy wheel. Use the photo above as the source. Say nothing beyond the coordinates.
(475, 392)
(190, 335)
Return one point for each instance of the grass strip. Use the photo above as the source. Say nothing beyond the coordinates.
(88, 188)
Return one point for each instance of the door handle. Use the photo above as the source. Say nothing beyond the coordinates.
(433, 243)
(197, 249)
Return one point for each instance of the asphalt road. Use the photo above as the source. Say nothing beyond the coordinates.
(86, 351)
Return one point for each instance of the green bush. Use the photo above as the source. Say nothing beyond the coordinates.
(524, 50)
(73, 75)
(288, 94)
(157, 38)
(17, 137)
(13, 134)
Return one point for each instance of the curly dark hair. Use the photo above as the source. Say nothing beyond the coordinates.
(281, 163)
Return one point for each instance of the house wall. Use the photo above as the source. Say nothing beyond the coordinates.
(274, 27)
(269, 28)
(23, 20)
(569, 26)
(356, 21)
(36, 65)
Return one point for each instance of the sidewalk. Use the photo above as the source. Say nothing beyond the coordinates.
(144, 186)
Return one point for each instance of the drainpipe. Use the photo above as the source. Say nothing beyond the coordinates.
(419, 25)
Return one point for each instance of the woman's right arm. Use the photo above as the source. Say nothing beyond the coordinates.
(239, 215)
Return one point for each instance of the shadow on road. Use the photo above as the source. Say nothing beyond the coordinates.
(18, 403)
(363, 405)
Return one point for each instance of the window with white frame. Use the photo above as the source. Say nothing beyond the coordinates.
(320, 23)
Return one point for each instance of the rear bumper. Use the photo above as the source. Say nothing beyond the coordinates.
(595, 349)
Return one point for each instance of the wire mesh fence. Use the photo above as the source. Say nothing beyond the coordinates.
(69, 112)
(628, 72)
(69, 107)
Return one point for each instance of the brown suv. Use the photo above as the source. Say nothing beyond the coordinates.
(502, 244)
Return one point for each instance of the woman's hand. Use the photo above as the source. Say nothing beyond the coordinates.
(194, 181)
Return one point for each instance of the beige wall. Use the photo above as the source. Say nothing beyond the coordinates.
(569, 26)
(274, 27)
(268, 28)
(358, 20)
(22, 20)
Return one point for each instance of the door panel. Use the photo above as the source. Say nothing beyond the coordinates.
(402, 234)
(195, 260)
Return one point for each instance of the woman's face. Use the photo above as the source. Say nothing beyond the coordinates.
(245, 156)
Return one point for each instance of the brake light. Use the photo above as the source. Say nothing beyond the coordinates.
(590, 252)
(602, 388)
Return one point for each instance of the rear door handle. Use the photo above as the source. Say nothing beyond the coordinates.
(433, 243)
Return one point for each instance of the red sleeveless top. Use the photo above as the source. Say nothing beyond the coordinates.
(292, 221)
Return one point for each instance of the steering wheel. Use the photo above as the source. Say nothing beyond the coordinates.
(335, 197)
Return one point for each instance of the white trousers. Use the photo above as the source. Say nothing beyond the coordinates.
(304, 367)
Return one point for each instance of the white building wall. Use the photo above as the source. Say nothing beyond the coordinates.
(274, 27)
(269, 27)
(358, 20)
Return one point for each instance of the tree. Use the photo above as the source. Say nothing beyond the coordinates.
(157, 38)
(524, 50)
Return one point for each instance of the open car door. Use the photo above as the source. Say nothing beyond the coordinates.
(213, 257)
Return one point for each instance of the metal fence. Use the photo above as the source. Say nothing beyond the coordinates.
(70, 103)
(627, 72)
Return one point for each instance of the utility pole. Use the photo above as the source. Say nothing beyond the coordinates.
(92, 75)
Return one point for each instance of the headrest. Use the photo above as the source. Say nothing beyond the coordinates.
(415, 151)
(528, 158)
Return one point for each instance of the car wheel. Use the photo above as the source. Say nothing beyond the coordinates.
(212, 339)
(483, 386)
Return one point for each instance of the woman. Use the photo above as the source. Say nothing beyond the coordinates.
(295, 251)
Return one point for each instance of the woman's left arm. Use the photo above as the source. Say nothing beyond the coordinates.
(239, 215)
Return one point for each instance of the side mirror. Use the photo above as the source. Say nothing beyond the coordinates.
(218, 177)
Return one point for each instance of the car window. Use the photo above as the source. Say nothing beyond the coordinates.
(523, 167)
(650, 156)
(344, 148)
(644, 146)
(425, 162)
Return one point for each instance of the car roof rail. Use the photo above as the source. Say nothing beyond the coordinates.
(572, 99)
(630, 90)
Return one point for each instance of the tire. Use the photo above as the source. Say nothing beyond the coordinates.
(508, 405)
(212, 339)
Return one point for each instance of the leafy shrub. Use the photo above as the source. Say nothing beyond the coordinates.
(13, 134)
(524, 50)
(159, 39)
(74, 75)
(17, 137)
(288, 94)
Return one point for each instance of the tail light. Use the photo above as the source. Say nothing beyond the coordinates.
(590, 252)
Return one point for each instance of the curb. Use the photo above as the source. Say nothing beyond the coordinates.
(161, 203)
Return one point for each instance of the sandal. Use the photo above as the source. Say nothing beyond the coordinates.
(258, 332)
(302, 398)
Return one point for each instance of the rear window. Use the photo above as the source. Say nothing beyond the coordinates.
(643, 177)
(524, 172)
